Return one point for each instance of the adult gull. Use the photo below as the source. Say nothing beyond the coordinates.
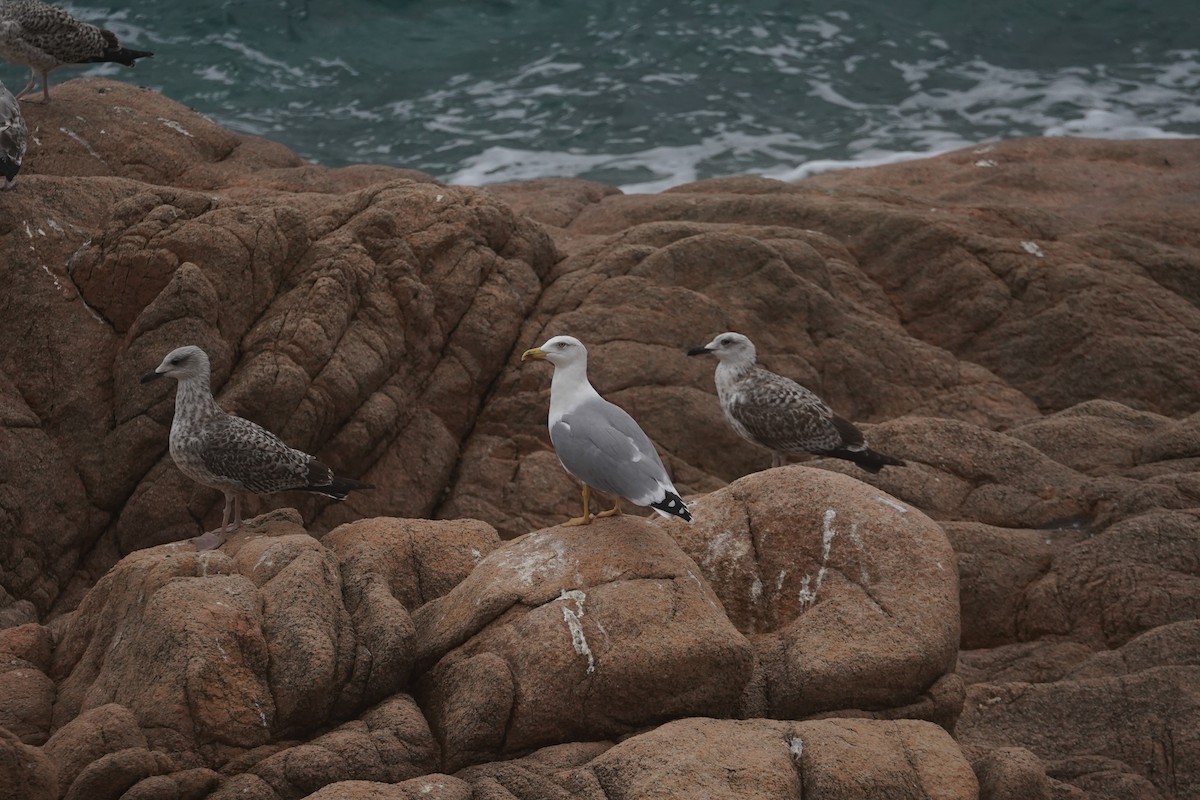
(233, 454)
(780, 414)
(598, 443)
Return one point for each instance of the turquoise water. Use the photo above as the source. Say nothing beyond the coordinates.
(646, 94)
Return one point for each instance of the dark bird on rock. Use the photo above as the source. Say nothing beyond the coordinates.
(780, 414)
(234, 454)
(13, 136)
(43, 38)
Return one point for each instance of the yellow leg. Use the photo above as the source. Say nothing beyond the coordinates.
(586, 519)
(615, 511)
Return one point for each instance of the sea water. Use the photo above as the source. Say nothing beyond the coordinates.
(647, 94)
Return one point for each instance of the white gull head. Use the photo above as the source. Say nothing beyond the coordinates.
(570, 386)
(730, 348)
(561, 351)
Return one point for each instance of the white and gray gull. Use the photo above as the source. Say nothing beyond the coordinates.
(43, 38)
(13, 137)
(780, 414)
(233, 454)
(598, 443)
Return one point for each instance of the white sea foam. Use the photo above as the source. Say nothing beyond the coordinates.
(214, 74)
(817, 166)
(648, 95)
(1101, 124)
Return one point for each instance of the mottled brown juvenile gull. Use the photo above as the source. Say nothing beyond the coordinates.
(43, 38)
(13, 136)
(598, 443)
(780, 414)
(230, 453)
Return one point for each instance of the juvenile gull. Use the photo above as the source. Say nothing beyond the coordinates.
(13, 136)
(780, 414)
(43, 37)
(230, 453)
(598, 443)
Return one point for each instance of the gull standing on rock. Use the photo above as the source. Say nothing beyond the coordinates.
(43, 38)
(598, 443)
(13, 136)
(780, 414)
(230, 453)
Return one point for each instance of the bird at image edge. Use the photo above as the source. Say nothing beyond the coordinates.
(43, 38)
(13, 137)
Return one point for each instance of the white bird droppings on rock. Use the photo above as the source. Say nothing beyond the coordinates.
(887, 501)
(796, 746)
(572, 618)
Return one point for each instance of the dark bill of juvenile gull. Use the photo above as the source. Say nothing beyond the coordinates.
(13, 137)
(780, 414)
(233, 454)
(598, 443)
(42, 37)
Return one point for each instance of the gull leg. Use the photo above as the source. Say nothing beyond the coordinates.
(30, 85)
(615, 511)
(587, 512)
(777, 459)
(237, 513)
(46, 86)
(214, 539)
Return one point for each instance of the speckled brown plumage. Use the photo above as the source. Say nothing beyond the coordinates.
(230, 453)
(780, 414)
(43, 37)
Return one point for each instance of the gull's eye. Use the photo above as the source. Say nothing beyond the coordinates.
(563, 345)
(175, 361)
(726, 340)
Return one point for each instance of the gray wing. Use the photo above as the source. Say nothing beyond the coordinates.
(238, 450)
(601, 445)
(13, 134)
(781, 414)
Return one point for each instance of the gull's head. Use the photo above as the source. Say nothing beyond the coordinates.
(728, 347)
(559, 351)
(182, 363)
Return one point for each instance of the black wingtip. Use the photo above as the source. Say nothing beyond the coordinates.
(673, 505)
(698, 351)
(868, 459)
(349, 484)
(339, 488)
(321, 480)
(119, 55)
(883, 460)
